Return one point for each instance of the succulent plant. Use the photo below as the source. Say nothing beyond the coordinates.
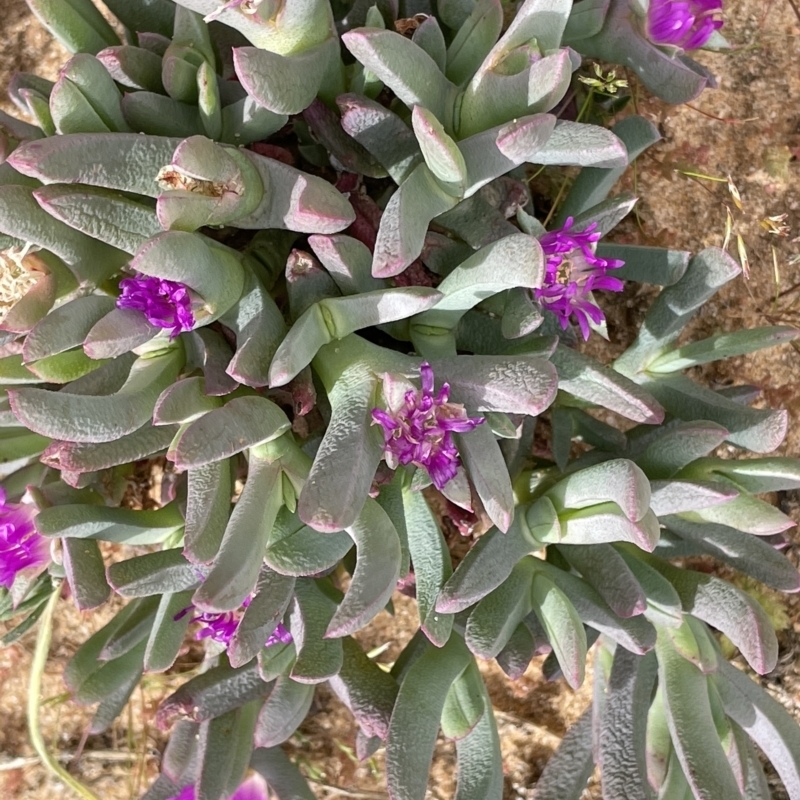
(292, 248)
(651, 37)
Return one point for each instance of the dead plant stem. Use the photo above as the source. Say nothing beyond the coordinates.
(43, 639)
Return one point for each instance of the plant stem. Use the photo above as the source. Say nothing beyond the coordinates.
(34, 693)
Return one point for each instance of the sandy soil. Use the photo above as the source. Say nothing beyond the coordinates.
(749, 128)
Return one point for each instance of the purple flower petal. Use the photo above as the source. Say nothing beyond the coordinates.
(572, 272)
(166, 304)
(420, 431)
(253, 788)
(279, 636)
(221, 626)
(687, 25)
(21, 547)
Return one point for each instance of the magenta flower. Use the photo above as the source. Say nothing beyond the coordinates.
(572, 273)
(253, 788)
(21, 547)
(279, 636)
(420, 431)
(166, 304)
(221, 626)
(687, 24)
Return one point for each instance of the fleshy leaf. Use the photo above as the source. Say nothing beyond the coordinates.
(109, 524)
(463, 706)
(487, 565)
(415, 719)
(568, 770)
(91, 456)
(241, 423)
(513, 385)
(493, 98)
(184, 401)
(78, 418)
(85, 570)
(85, 98)
(21, 217)
(273, 594)
(168, 634)
(709, 270)
(622, 738)
(619, 481)
(673, 497)
(298, 550)
(603, 523)
(212, 694)
(587, 380)
(310, 613)
(284, 778)
(634, 634)
(405, 68)
(728, 609)
(593, 185)
(405, 220)
(759, 430)
(564, 628)
(655, 265)
(65, 327)
(285, 84)
(440, 152)
(336, 490)
(692, 726)
(432, 567)
(743, 551)
(153, 573)
(582, 145)
(475, 38)
(296, 201)
(78, 25)
(365, 689)
(212, 270)
(754, 475)
(605, 570)
(117, 333)
(122, 161)
(336, 317)
(493, 620)
(377, 570)
(283, 712)
(207, 508)
(234, 571)
(133, 67)
(101, 213)
(723, 345)
(510, 262)
(764, 720)
(669, 449)
(259, 327)
(664, 607)
(487, 469)
(382, 133)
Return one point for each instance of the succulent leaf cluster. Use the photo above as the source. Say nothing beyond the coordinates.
(289, 248)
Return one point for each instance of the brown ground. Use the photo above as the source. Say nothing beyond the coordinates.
(749, 129)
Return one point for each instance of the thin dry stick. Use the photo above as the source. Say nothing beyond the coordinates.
(34, 694)
(106, 756)
(355, 793)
